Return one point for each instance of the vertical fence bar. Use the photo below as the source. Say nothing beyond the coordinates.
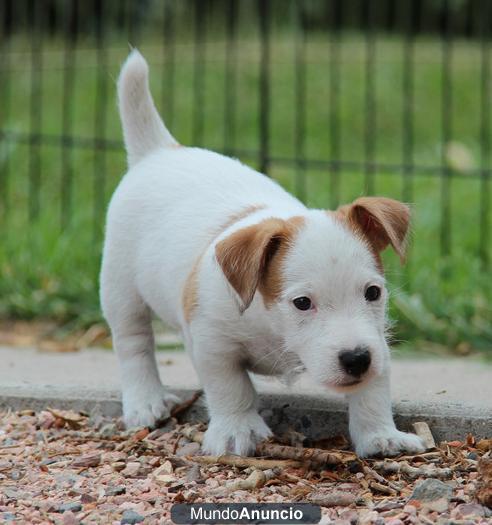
(6, 21)
(408, 102)
(334, 87)
(133, 13)
(446, 130)
(485, 86)
(69, 68)
(300, 105)
(369, 98)
(264, 86)
(230, 80)
(199, 72)
(168, 70)
(35, 14)
(101, 102)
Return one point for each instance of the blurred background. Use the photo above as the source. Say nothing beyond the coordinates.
(332, 98)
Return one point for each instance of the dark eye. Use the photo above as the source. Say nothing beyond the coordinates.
(373, 293)
(302, 303)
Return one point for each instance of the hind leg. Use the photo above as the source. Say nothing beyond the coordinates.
(145, 400)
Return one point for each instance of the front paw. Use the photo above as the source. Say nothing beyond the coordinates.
(237, 434)
(389, 442)
(147, 407)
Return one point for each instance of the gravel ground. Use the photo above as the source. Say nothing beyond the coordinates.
(66, 468)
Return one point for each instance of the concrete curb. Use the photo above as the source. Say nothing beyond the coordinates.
(311, 415)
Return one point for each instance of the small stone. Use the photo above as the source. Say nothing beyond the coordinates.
(431, 490)
(115, 491)
(15, 475)
(473, 456)
(468, 509)
(8, 516)
(410, 509)
(194, 474)
(438, 505)
(118, 465)
(154, 462)
(190, 449)
(70, 519)
(11, 493)
(74, 506)
(165, 468)
(212, 483)
(165, 478)
(89, 460)
(108, 430)
(131, 517)
(87, 498)
(132, 469)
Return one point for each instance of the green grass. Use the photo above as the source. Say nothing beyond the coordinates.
(47, 273)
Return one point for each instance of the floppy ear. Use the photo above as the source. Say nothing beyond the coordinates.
(381, 221)
(244, 256)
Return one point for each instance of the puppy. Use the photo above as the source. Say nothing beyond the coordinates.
(254, 280)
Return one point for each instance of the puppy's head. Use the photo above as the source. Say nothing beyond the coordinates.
(320, 277)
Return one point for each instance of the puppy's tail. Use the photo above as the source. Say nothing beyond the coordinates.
(143, 128)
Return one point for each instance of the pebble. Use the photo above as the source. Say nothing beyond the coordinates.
(88, 460)
(194, 474)
(118, 465)
(12, 494)
(431, 490)
(15, 475)
(70, 519)
(190, 449)
(87, 498)
(8, 516)
(468, 509)
(130, 517)
(74, 506)
(132, 469)
(115, 491)
(108, 430)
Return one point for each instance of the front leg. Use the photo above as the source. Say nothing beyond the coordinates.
(145, 400)
(235, 425)
(372, 429)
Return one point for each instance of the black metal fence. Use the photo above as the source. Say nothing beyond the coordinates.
(333, 98)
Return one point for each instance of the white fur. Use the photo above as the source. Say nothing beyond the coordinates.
(161, 220)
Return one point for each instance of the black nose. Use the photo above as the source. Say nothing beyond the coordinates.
(355, 362)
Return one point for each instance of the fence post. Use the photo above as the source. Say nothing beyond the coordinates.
(264, 105)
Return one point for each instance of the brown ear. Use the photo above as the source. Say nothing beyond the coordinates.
(381, 221)
(245, 254)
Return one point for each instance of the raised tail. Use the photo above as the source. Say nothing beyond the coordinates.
(143, 128)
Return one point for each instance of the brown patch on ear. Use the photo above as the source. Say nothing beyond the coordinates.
(251, 258)
(190, 289)
(380, 221)
(271, 285)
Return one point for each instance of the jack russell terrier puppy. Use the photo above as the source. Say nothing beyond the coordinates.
(254, 280)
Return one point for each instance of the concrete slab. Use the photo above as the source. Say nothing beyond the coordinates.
(453, 395)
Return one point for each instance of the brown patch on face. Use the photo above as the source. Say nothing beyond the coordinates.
(252, 258)
(379, 221)
(190, 289)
